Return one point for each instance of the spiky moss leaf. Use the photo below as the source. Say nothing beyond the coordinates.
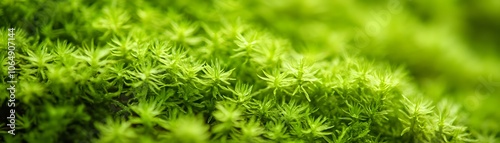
(187, 129)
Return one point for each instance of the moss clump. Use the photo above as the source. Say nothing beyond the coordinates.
(197, 71)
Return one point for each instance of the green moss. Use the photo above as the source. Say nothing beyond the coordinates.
(197, 71)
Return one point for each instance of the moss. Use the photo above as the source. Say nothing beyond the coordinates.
(199, 71)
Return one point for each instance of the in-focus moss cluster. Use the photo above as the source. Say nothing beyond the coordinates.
(251, 71)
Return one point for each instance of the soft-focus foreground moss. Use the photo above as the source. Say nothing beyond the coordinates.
(194, 71)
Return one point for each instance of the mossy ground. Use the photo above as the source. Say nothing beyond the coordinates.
(194, 71)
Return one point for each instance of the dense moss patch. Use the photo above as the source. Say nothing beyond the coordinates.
(195, 71)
